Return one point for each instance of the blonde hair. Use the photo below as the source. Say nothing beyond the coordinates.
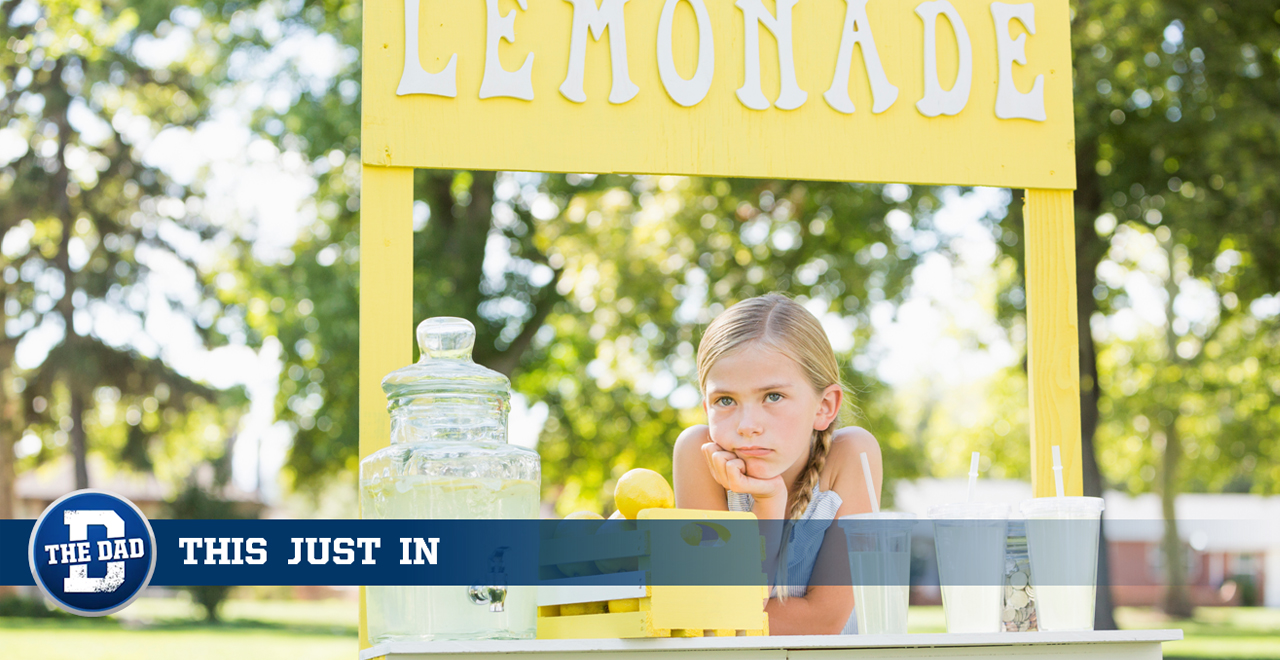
(780, 323)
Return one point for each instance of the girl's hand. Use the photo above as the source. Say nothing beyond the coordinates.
(731, 472)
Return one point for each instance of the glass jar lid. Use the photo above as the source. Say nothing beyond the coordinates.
(445, 365)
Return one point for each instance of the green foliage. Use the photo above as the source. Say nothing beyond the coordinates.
(87, 221)
(197, 502)
(29, 608)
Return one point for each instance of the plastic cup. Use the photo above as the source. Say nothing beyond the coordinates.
(1062, 540)
(879, 547)
(970, 540)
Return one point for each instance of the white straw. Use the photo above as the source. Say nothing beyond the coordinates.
(1057, 471)
(973, 473)
(871, 486)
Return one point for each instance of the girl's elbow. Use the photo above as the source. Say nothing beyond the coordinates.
(831, 625)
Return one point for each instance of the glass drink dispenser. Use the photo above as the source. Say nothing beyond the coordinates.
(449, 459)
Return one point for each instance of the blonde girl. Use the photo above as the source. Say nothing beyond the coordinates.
(772, 394)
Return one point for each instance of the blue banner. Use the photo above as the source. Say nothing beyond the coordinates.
(530, 552)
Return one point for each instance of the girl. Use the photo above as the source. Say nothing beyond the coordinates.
(772, 394)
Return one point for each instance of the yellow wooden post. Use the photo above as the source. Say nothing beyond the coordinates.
(386, 301)
(1053, 342)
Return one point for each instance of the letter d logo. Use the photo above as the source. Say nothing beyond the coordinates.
(92, 552)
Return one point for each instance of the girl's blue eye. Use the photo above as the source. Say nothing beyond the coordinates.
(724, 401)
(773, 396)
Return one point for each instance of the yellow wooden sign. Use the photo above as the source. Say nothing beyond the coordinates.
(968, 92)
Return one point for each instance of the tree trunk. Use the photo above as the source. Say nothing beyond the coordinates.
(1090, 249)
(1177, 599)
(66, 306)
(9, 428)
(79, 440)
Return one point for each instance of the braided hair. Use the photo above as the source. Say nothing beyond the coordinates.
(778, 322)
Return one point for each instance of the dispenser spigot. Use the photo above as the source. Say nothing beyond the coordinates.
(495, 593)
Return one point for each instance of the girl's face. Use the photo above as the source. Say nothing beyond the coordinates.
(761, 406)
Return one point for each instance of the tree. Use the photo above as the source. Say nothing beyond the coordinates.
(548, 269)
(1175, 130)
(89, 225)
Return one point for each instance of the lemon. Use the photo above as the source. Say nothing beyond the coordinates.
(615, 525)
(692, 534)
(578, 609)
(624, 605)
(567, 530)
(642, 489)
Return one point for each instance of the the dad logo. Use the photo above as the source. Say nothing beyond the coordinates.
(92, 552)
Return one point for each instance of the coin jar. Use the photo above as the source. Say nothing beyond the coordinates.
(1019, 614)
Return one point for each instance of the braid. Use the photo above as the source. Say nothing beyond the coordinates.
(779, 323)
(812, 471)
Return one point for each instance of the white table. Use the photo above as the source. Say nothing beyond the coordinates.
(1125, 644)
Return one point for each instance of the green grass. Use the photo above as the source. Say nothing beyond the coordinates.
(169, 628)
(1214, 633)
(1229, 633)
(155, 628)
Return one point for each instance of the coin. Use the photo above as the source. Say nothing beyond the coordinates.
(1018, 599)
(1018, 580)
(1009, 614)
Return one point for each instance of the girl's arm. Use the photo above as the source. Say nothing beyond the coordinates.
(694, 485)
(698, 488)
(829, 601)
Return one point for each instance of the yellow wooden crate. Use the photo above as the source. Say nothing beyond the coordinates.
(644, 602)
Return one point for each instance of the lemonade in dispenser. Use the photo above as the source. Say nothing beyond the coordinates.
(449, 459)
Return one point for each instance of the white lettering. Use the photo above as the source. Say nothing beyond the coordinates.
(136, 550)
(342, 552)
(936, 101)
(216, 553)
(857, 30)
(80, 521)
(104, 550)
(79, 581)
(423, 552)
(414, 79)
(368, 544)
(587, 16)
(297, 551)
(190, 546)
(790, 96)
(1010, 103)
(498, 81)
(311, 551)
(689, 92)
(256, 551)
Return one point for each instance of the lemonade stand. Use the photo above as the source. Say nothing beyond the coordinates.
(938, 92)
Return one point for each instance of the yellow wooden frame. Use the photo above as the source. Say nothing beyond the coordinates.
(386, 227)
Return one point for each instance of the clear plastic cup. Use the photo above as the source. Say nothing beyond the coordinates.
(879, 547)
(970, 540)
(1062, 539)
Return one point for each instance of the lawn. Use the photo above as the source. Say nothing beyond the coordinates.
(155, 628)
(1218, 633)
(1232, 633)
